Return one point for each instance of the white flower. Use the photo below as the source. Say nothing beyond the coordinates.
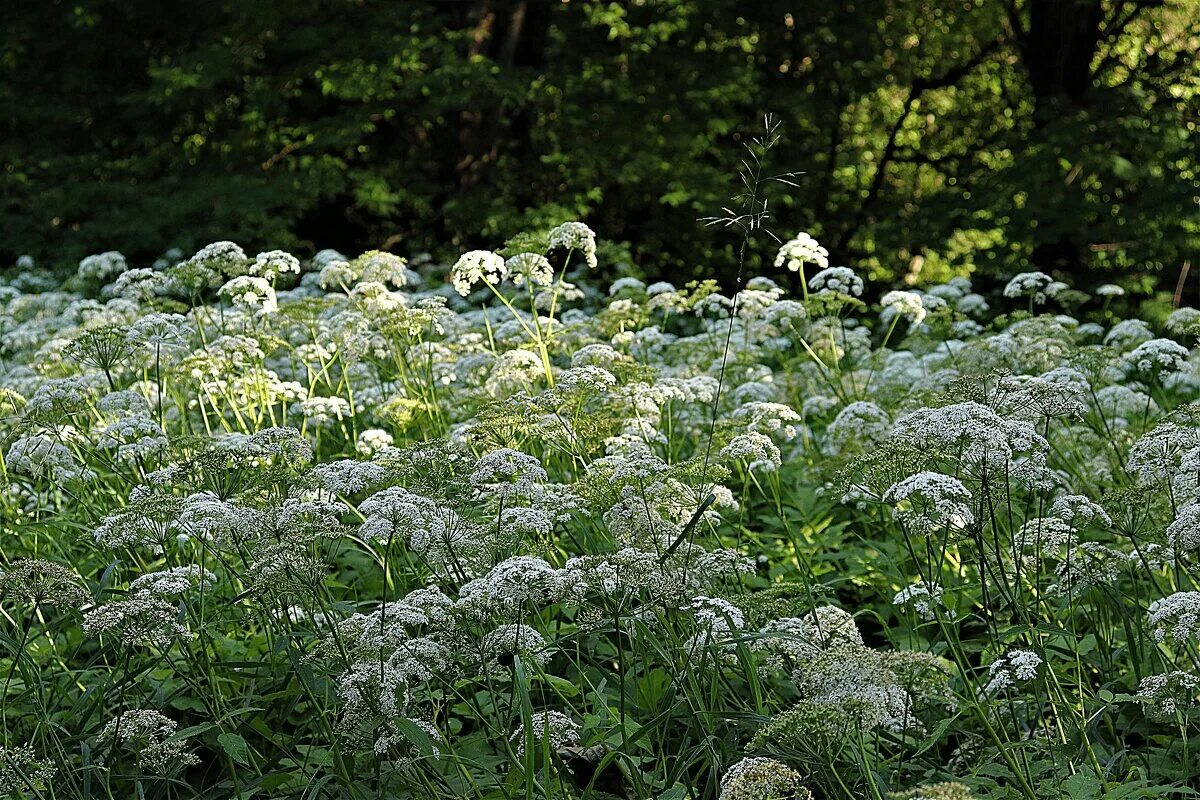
(1176, 616)
(804, 249)
(372, 441)
(756, 449)
(1169, 694)
(251, 294)
(151, 737)
(575, 236)
(507, 474)
(1157, 357)
(531, 267)
(761, 778)
(554, 728)
(1183, 535)
(907, 305)
(273, 263)
(102, 266)
(836, 280)
(475, 266)
(921, 598)
(928, 502)
(1016, 665)
(1037, 285)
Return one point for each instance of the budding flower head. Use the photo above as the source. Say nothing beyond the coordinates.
(39, 581)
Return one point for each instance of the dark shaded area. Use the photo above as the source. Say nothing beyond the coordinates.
(936, 138)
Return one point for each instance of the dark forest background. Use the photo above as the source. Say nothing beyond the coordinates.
(936, 137)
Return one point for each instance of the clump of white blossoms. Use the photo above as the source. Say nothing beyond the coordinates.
(102, 266)
(1169, 694)
(1014, 666)
(148, 735)
(1184, 321)
(1157, 357)
(477, 266)
(508, 474)
(553, 728)
(902, 305)
(531, 267)
(1177, 617)
(1038, 286)
(929, 502)
(251, 294)
(372, 441)
(577, 237)
(1043, 535)
(924, 600)
(39, 455)
(836, 281)
(804, 249)
(759, 453)
(760, 778)
(1183, 534)
(22, 770)
(273, 263)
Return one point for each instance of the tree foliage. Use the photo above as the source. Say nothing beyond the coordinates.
(934, 137)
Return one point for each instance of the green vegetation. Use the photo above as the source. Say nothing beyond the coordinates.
(273, 528)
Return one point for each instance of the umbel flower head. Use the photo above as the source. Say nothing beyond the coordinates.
(804, 249)
(1177, 617)
(556, 729)
(760, 778)
(38, 581)
(475, 266)
(577, 237)
(21, 770)
(1164, 696)
(148, 735)
(929, 502)
(946, 790)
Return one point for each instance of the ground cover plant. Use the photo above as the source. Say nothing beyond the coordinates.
(356, 528)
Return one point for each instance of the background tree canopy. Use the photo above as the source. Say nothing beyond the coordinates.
(971, 136)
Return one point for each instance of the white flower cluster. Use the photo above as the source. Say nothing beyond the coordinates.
(804, 249)
(1038, 286)
(1013, 667)
(478, 266)
(150, 736)
(577, 237)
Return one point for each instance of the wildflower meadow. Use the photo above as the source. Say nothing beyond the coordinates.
(375, 527)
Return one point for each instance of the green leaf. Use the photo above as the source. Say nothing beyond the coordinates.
(235, 747)
(1081, 786)
(676, 792)
(562, 686)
